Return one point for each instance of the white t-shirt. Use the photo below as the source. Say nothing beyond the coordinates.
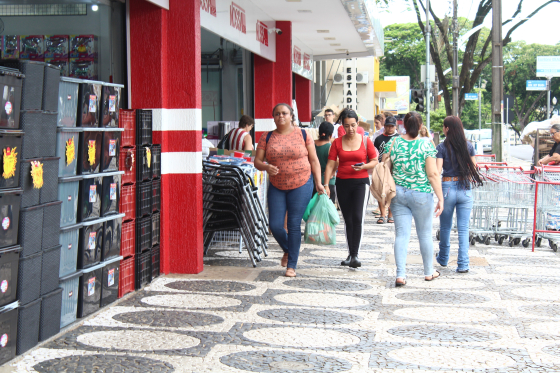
(377, 133)
(335, 132)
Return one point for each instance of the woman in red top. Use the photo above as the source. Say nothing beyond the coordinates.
(352, 181)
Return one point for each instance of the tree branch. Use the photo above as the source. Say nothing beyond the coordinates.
(507, 39)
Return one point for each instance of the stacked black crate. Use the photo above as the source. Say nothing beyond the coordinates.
(156, 208)
(39, 216)
(144, 193)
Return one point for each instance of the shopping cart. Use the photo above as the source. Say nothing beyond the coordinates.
(485, 158)
(547, 207)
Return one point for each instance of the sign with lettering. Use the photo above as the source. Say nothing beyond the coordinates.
(237, 18)
(262, 33)
(297, 56)
(209, 6)
(307, 62)
(302, 59)
(536, 85)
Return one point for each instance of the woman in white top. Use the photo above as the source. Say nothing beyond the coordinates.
(240, 138)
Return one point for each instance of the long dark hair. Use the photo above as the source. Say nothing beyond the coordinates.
(456, 143)
(347, 113)
(412, 124)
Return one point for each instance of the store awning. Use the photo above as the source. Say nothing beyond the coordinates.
(385, 88)
(332, 29)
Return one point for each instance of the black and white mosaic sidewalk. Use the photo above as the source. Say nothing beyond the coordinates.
(503, 316)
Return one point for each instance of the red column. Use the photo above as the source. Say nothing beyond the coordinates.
(273, 80)
(303, 98)
(165, 76)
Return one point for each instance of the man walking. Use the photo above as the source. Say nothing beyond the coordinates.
(329, 117)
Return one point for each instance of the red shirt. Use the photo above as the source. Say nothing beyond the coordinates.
(342, 131)
(348, 158)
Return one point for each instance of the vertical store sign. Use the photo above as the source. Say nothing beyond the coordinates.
(237, 18)
(302, 59)
(350, 88)
(209, 6)
(262, 33)
(296, 58)
(307, 62)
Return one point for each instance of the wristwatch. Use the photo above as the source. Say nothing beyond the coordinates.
(325, 185)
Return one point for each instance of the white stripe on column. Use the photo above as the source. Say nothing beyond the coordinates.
(262, 125)
(177, 119)
(181, 163)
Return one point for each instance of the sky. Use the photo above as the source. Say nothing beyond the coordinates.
(539, 29)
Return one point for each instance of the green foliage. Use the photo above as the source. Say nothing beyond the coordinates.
(405, 55)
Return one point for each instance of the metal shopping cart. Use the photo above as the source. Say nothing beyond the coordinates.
(547, 207)
(485, 158)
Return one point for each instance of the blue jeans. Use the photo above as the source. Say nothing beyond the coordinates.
(294, 201)
(461, 200)
(405, 205)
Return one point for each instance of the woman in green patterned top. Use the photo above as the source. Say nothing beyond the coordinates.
(415, 172)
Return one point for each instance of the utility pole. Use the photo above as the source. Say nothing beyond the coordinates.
(428, 84)
(480, 105)
(455, 61)
(548, 97)
(497, 79)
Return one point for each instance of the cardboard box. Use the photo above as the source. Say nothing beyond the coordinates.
(63, 63)
(83, 46)
(32, 47)
(83, 68)
(10, 47)
(56, 46)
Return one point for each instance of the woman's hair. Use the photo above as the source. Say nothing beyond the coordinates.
(325, 131)
(424, 132)
(412, 123)
(380, 117)
(289, 108)
(347, 113)
(245, 121)
(555, 127)
(456, 143)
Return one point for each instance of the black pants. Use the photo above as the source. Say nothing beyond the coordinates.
(353, 196)
(333, 192)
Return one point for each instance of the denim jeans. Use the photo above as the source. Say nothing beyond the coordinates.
(456, 198)
(408, 204)
(294, 201)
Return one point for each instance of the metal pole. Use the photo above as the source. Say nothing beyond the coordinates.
(497, 79)
(548, 98)
(428, 85)
(455, 62)
(479, 108)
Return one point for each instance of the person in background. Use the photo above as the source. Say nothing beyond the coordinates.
(352, 181)
(240, 137)
(379, 122)
(322, 147)
(456, 156)
(329, 117)
(553, 156)
(425, 135)
(292, 165)
(416, 176)
(380, 144)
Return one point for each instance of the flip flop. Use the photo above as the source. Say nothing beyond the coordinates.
(390, 220)
(433, 278)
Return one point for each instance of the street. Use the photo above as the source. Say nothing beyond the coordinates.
(502, 316)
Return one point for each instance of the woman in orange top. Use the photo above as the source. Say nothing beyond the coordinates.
(290, 153)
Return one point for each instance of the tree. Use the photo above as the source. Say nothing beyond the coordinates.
(478, 50)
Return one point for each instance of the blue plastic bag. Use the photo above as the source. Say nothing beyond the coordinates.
(320, 228)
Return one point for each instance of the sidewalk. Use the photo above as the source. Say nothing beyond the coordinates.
(503, 316)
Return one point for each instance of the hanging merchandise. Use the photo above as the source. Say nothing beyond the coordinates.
(37, 174)
(9, 162)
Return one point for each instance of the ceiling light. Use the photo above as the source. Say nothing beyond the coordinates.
(94, 8)
(330, 38)
(323, 31)
(340, 50)
(335, 45)
(304, 11)
(293, 1)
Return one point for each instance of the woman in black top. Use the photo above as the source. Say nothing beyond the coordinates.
(553, 156)
(456, 157)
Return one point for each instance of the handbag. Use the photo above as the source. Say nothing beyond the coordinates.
(383, 185)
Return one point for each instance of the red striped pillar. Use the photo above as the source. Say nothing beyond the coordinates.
(303, 98)
(165, 77)
(273, 80)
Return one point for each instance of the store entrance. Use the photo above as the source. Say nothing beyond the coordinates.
(226, 83)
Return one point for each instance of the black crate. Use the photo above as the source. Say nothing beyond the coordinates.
(51, 81)
(111, 194)
(51, 224)
(8, 327)
(10, 144)
(89, 156)
(110, 104)
(9, 267)
(68, 193)
(156, 161)
(110, 282)
(155, 261)
(156, 195)
(32, 87)
(143, 269)
(155, 228)
(89, 297)
(40, 134)
(51, 305)
(112, 243)
(31, 195)
(89, 200)
(10, 200)
(49, 191)
(91, 244)
(89, 97)
(144, 165)
(29, 320)
(11, 83)
(143, 127)
(111, 149)
(29, 280)
(39, 227)
(143, 234)
(143, 198)
(50, 266)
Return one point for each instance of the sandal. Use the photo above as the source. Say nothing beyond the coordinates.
(390, 220)
(382, 220)
(290, 272)
(399, 284)
(433, 277)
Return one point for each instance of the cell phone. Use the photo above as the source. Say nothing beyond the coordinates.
(359, 164)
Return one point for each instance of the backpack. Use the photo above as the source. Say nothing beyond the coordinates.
(383, 185)
(224, 142)
(303, 133)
